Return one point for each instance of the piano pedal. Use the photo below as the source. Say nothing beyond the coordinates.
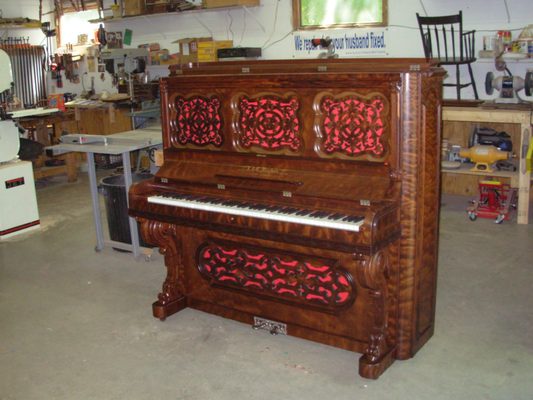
(272, 326)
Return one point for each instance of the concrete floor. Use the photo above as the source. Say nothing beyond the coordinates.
(75, 324)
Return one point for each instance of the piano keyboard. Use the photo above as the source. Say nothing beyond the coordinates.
(255, 210)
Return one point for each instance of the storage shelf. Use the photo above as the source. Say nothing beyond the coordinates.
(519, 118)
(28, 25)
(523, 60)
(465, 169)
(170, 13)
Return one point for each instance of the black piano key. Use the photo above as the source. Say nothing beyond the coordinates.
(303, 212)
(318, 214)
(285, 210)
(354, 218)
(291, 210)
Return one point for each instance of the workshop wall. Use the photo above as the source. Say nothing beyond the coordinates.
(25, 9)
(269, 26)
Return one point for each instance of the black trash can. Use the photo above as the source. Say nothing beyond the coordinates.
(113, 189)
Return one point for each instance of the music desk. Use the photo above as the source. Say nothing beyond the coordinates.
(122, 143)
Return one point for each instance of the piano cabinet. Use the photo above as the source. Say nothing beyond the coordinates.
(344, 299)
(356, 141)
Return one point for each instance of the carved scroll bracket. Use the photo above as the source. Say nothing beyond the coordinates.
(373, 273)
(165, 236)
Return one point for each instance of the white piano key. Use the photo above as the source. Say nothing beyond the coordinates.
(208, 205)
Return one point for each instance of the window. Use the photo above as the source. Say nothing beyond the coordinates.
(75, 24)
(315, 14)
(70, 6)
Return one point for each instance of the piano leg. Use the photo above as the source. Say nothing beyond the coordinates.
(370, 369)
(374, 274)
(162, 311)
(171, 299)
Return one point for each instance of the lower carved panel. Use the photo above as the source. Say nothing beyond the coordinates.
(289, 278)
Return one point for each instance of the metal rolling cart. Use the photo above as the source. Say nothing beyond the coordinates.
(497, 201)
(116, 144)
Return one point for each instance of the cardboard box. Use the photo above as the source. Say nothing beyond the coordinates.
(229, 3)
(172, 59)
(207, 51)
(134, 7)
(150, 46)
(158, 56)
(189, 48)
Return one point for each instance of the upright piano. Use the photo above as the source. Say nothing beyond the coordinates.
(302, 197)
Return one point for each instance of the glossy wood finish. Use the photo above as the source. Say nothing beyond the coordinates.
(351, 137)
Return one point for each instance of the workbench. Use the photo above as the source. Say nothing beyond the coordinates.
(46, 127)
(123, 144)
(507, 116)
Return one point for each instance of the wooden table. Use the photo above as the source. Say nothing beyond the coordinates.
(38, 130)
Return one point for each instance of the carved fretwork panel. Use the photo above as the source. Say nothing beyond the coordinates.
(268, 122)
(352, 126)
(288, 278)
(196, 121)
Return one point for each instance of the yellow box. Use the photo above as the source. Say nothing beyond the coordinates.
(229, 3)
(207, 51)
(189, 48)
(206, 55)
(223, 44)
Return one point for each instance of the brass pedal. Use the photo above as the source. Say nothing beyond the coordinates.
(273, 327)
